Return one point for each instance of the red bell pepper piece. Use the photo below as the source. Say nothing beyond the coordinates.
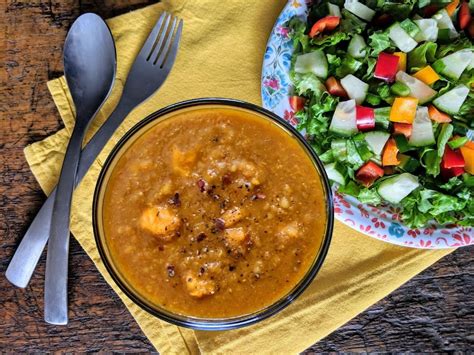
(297, 103)
(452, 159)
(470, 29)
(386, 67)
(365, 118)
(464, 15)
(449, 173)
(327, 23)
(368, 173)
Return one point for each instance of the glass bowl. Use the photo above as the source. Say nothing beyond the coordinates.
(188, 321)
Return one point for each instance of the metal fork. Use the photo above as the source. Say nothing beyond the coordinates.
(148, 73)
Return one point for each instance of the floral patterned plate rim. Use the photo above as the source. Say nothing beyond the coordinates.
(382, 222)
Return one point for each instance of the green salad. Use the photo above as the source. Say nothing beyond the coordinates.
(383, 91)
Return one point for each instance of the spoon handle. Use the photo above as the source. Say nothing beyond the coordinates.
(55, 293)
(31, 247)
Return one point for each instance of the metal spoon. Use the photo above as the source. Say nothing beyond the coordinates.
(89, 67)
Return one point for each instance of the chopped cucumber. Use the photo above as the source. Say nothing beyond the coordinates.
(428, 30)
(376, 140)
(445, 23)
(471, 64)
(356, 89)
(410, 27)
(314, 62)
(407, 163)
(418, 89)
(382, 117)
(336, 172)
(344, 119)
(401, 39)
(334, 10)
(422, 133)
(396, 188)
(452, 101)
(357, 47)
(454, 64)
(359, 9)
(458, 142)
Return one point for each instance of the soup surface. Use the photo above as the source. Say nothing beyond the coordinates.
(214, 212)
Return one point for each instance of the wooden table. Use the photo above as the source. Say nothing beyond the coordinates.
(434, 311)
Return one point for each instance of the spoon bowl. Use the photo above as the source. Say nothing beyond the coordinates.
(89, 65)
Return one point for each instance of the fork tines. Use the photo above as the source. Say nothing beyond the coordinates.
(161, 42)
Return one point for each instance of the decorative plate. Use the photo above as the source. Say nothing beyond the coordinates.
(381, 222)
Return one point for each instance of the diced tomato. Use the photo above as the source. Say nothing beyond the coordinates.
(368, 173)
(386, 67)
(452, 159)
(437, 115)
(297, 103)
(365, 118)
(449, 173)
(464, 15)
(389, 155)
(403, 128)
(327, 23)
(335, 88)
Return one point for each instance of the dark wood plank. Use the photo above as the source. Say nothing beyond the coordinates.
(431, 312)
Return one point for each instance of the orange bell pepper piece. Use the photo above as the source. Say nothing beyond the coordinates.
(438, 116)
(389, 155)
(427, 75)
(334, 87)
(468, 155)
(403, 128)
(403, 109)
(327, 23)
(452, 7)
(402, 62)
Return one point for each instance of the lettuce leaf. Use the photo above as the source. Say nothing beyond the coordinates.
(348, 65)
(425, 204)
(379, 41)
(421, 56)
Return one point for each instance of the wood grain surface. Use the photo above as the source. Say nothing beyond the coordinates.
(432, 312)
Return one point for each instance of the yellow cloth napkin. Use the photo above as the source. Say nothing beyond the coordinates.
(221, 55)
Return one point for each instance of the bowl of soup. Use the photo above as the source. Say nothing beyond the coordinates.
(213, 214)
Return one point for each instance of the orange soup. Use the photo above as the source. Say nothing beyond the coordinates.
(214, 213)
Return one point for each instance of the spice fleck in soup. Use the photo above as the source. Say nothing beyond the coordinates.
(214, 213)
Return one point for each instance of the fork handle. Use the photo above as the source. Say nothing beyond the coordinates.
(29, 251)
(55, 287)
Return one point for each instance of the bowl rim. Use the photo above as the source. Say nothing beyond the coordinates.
(216, 324)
